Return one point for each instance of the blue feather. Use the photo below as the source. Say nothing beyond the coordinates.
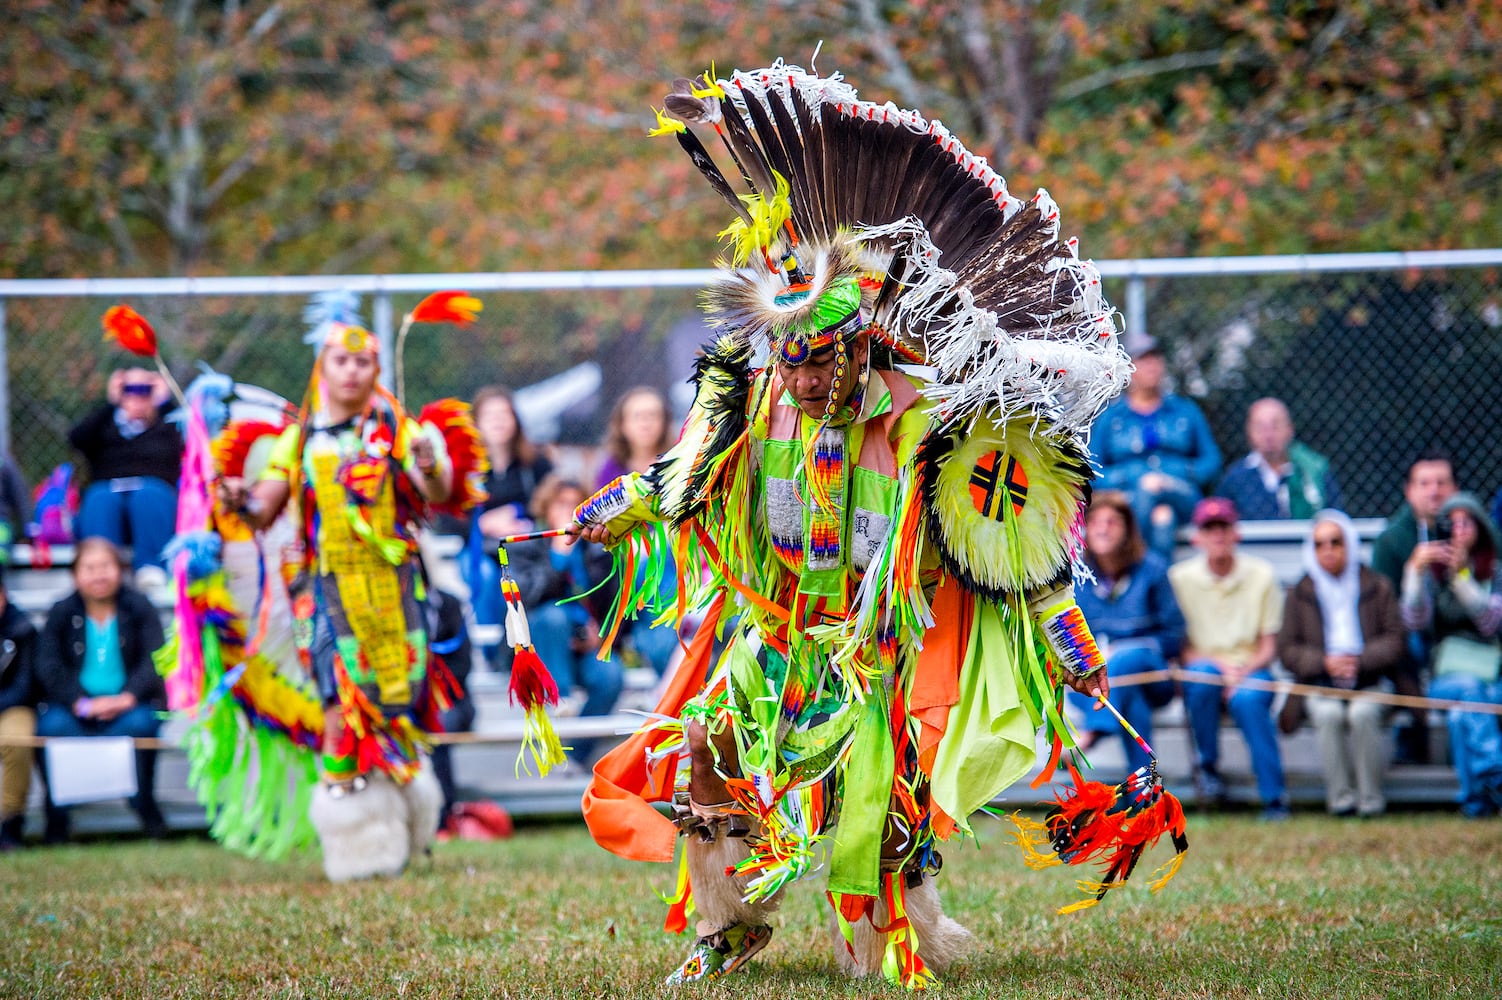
(203, 549)
(327, 308)
(208, 394)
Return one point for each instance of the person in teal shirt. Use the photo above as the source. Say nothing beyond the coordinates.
(96, 674)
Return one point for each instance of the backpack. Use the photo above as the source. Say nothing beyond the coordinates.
(55, 504)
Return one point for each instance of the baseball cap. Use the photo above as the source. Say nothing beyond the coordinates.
(1143, 344)
(1214, 510)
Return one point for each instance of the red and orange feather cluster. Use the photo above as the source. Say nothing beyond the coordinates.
(1108, 826)
(471, 464)
(232, 446)
(129, 329)
(448, 307)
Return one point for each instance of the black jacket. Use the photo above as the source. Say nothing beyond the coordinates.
(18, 640)
(60, 649)
(157, 451)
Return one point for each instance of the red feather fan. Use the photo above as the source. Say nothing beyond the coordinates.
(1095, 823)
(232, 446)
(471, 464)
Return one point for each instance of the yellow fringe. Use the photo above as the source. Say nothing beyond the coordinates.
(1031, 835)
(1083, 904)
(1170, 868)
(540, 741)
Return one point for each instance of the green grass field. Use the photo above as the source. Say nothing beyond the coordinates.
(1409, 906)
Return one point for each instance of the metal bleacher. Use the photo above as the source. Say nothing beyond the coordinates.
(488, 769)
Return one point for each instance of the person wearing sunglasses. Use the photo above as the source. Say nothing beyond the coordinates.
(134, 457)
(1341, 630)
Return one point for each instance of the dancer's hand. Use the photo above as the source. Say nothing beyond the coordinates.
(1091, 685)
(423, 456)
(233, 492)
(597, 533)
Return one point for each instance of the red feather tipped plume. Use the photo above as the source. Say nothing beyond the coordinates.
(448, 307)
(129, 329)
(531, 682)
(467, 454)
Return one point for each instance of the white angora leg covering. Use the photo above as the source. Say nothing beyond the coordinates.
(364, 833)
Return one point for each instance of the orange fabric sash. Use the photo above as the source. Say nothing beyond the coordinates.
(616, 803)
(936, 678)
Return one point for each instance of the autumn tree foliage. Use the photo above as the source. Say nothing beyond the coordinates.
(260, 136)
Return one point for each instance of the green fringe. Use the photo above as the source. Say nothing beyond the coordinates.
(255, 784)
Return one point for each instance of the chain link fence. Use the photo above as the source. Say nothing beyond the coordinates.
(1374, 365)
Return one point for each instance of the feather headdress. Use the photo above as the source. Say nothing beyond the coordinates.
(961, 276)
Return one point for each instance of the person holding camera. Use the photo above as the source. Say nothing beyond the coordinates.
(1450, 588)
(134, 457)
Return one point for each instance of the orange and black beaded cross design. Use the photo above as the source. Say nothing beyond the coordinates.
(997, 476)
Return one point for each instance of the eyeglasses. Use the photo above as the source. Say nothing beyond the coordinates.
(136, 388)
(1329, 543)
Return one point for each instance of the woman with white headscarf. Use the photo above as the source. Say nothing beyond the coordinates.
(1341, 629)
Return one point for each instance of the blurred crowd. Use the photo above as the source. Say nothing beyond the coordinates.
(1422, 618)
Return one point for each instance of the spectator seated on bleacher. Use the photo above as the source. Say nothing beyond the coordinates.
(1233, 609)
(516, 468)
(567, 635)
(639, 431)
(17, 716)
(96, 674)
(1341, 630)
(1427, 485)
(1156, 447)
(1280, 478)
(134, 457)
(1135, 618)
(1450, 586)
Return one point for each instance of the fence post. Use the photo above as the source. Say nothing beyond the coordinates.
(1136, 307)
(4, 385)
(382, 321)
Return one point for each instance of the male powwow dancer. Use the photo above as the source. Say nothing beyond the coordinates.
(883, 477)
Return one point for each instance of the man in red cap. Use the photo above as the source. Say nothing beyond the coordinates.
(1233, 608)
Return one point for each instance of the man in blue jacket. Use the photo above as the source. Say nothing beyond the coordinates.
(1156, 447)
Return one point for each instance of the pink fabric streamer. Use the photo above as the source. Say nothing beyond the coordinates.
(194, 507)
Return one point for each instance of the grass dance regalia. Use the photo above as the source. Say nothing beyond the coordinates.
(300, 649)
(890, 503)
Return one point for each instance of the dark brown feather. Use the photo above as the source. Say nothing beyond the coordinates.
(706, 164)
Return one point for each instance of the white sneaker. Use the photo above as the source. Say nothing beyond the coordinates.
(151, 579)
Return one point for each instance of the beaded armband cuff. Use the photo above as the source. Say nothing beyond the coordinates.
(1068, 636)
(610, 502)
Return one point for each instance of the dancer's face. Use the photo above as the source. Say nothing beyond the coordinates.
(349, 376)
(809, 382)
